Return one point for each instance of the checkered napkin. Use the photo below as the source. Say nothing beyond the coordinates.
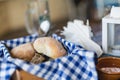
(78, 64)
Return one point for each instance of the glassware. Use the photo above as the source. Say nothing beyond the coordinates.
(37, 17)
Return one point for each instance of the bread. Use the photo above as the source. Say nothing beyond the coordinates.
(24, 51)
(49, 47)
(37, 59)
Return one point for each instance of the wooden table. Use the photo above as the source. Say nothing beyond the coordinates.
(23, 32)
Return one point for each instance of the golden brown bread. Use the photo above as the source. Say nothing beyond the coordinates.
(24, 51)
(49, 47)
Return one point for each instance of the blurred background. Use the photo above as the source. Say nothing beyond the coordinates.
(13, 14)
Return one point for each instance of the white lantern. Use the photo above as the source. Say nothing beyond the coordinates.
(108, 33)
(115, 12)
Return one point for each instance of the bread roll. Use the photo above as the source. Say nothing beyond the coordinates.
(37, 59)
(24, 51)
(49, 47)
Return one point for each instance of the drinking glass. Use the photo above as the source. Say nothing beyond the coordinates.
(37, 17)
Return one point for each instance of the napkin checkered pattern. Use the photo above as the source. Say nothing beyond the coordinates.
(15, 42)
(78, 64)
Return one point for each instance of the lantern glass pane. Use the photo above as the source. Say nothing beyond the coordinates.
(117, 34)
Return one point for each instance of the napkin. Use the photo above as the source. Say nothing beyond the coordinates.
(81, 34)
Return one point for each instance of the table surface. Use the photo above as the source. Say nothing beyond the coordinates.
(23, 32)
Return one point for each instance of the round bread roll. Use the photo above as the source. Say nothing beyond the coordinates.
(23, 51)
(49, 47)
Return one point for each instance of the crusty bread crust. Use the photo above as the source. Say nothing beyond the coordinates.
(49, 47)
(24, 51)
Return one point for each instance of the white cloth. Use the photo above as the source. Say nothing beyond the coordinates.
(80, 34)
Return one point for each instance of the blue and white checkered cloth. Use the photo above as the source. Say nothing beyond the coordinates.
(78, 64)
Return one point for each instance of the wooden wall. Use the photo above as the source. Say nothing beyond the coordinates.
(3, 18)
(12, 13)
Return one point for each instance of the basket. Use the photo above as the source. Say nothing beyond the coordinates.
(78, 64)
